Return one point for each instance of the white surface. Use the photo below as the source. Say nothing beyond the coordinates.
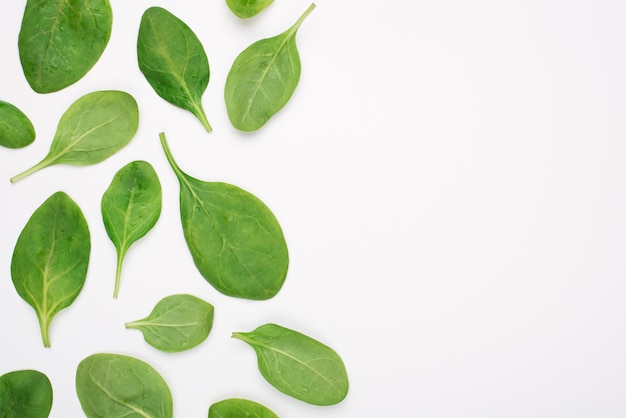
(450, 179)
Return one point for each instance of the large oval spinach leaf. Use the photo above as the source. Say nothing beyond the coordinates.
(238, 408)
(298, 365)
(25, 394)
(235, 240)
(113, 385)
(50, 260)
(130, 208)
(172, 59)
(177, 323)
(93, 128)
(16, 130)
(61, 40)
(263, 78)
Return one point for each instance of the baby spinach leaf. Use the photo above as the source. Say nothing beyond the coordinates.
(298, 365)
(172, 59)
(113, 385)
(130, 208)
(237, 408)
(234, 239)
(177, 323)
(25, 394)
(93, 128)
(16, 130)
(247, 8)
(50, 259)
(263, 78)
(61, 40)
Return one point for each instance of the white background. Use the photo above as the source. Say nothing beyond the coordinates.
(450, 179)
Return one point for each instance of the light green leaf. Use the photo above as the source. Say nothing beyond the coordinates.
(16, 130)
(238, 408)
(247, 8)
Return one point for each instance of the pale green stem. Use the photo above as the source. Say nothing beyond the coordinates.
(202, 116)
(42, 164)
(118, 275)
(44, 324)
(168, 155)
(301, 19)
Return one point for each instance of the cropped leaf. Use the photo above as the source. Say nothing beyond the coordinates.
(263, 78)
(51, 257)
(238, 408)
(25, 394)
(177, 323)
(16, 130)
(95, 126)
(130, 208)
(247, 8)
(172, 59)
(234, 239)
(61, 40)
(298, 365)
(113, 385)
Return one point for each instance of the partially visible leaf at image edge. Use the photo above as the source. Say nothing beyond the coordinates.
(263, 78)
(246, 9)
(25, 394)
(238, 408)
(16, 130)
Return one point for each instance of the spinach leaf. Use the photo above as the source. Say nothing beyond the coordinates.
(263, 78)
(130, 208)
(50, 259)
(298, 365)
(61, 40)
(234, 239)
(237, 408)
(16, 130)
(247, 8)
(113, 385)
(172, 59)
(93, 128)
(25, 394)
(177, 323)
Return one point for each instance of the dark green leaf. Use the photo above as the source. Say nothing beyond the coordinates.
(177, 323)
(61, 40)
(25, 394)
(95, 126)
(113, 385)
(239, 408)
(298, 365)
(130, 208)
(51, 257)
(263, 78)
(16, 130)
(247, 8)
(172, 59)
(234, 239)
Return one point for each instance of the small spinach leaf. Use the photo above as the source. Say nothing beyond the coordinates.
(50, 259)
(263, 78)
(247, 8)
(177, 323)
(173, 60)
(237, 408)
(61, 40)
(298, 365)
(235, 240)
(25, 393)
(113, 385)
(130, 208)
(16, 130)
(93, 128)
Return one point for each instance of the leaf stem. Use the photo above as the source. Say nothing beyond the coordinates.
(42, 164)
(168, 155)
(44, 324)
(202, 116)
(118, 275)
(307, 12)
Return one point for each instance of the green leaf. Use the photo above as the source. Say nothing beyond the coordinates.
(234, 239)
(61, 40)
(95, 126)
(50, 259)
(177, 323)
(25, 394)
(113, 385)
(130, 208)
(238, 408)
(298, 365)
(263, 78)
(16, 130)
(172, 59)
(247, 8)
